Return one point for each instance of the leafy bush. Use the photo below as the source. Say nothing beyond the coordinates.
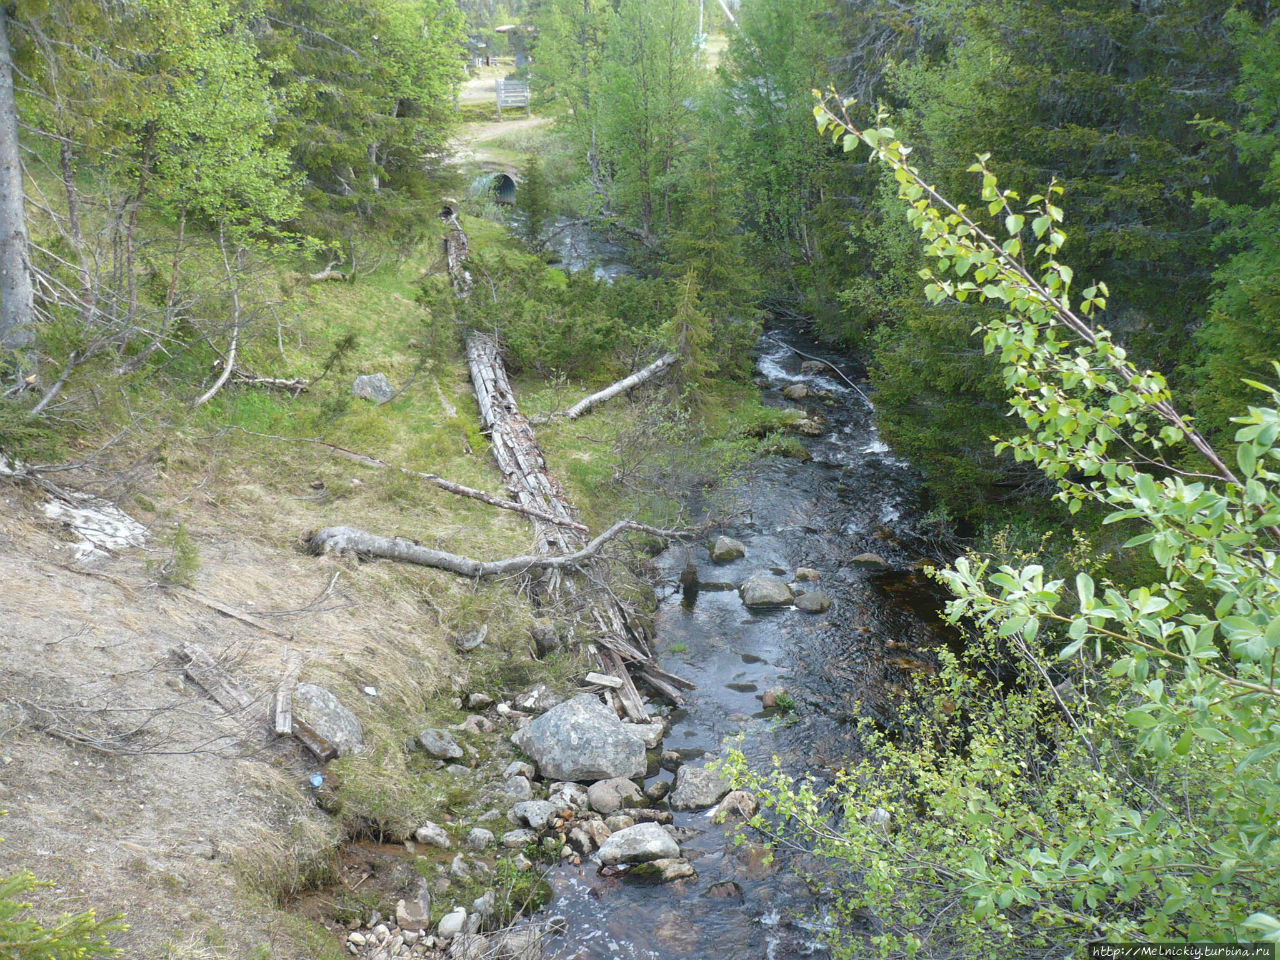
(1122, 784)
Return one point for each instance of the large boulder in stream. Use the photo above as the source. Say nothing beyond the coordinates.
(726, 550)
(639, 844)
(582, 739)
(762, 590)
(697, 788)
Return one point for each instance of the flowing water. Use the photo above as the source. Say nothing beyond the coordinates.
(853, 497)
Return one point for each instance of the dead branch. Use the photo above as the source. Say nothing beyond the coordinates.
(608, 393)
(351, 540)
(328, 273)
(294, 385)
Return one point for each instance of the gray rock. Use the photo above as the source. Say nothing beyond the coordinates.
(324, 713)
(736, 805)
(872, 559)
(483, 905)
(535, 814)
(517, 788)
(434, 835)
(726, 550)
(440, 744)
(373, 386)
(796, 391)
(814, 602)
(479, 839)
(639, 844)
(569, 794)
(619, 822)
(581, 841)
(470, 641)
(657, 791)
(724, 890)
(610, 796)
(515, 839)
(415, 914)
(459, 869)
(522, 943)
(451, 923)
(670, 760)
(468, 946)
(518, 768)
(807, 573)
(582, 739)
(647, 815)
(650, 733)
(597, 831)
(479, 701)
(697, 787)
(762, 590)
(546, 640)
(673, 868)
(538, 700)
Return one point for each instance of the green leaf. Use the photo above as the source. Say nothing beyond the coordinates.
(1140, 719)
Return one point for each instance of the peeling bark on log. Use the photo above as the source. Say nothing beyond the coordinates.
(456, 250)
(587, 404)
(516, 448)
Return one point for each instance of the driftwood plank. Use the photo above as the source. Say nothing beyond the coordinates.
(228, 692)
(284, 694)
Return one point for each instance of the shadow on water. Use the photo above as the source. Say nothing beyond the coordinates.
(848, 514)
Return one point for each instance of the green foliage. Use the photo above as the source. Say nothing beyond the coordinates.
(1124, 786)
(182, 563)
(533, 203)
(1239, 336)
(77, 936)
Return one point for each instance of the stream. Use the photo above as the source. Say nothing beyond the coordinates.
(854, 497)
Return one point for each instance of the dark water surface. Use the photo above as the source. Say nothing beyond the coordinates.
(854, 497)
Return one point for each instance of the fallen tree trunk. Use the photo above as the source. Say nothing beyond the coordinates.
(608, 393)
(516, 448)
(362, 543)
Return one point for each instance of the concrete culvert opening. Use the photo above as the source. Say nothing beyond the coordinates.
(447, 211)
(504, 188)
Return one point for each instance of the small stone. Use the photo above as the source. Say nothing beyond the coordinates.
(814, 602)
(581, 841)
(373, 386)
(736, 805)
(697, 787)
(568, 794)
(434, 835)
(468, 946)
(610, 796)
(675, 868)
(761, 590)
(410, 936)
(382, 931)
(535, 814)
(597, 831)
(546, 640)
(726, 550)
(619, 822)
(415, 914)
(471, 641)
(539, 699)
(515, 839)
(670, 761)
(325, 714)
(807, 573)
(522, 862)
(521, 943)
(809, 426)
(650, 733)
(479, 701)
(482, 906)
(518, 768)
(657, 791)
(639, 844)
(451, 923)
(646, 815)
(796, 391)
(479, 839)
(871, 559)
(357, 938)
(517, 788)
(724, 890)
(459, 869)
(440, 744)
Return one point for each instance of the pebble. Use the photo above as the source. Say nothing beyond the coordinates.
(433, 835)
(479, 838)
